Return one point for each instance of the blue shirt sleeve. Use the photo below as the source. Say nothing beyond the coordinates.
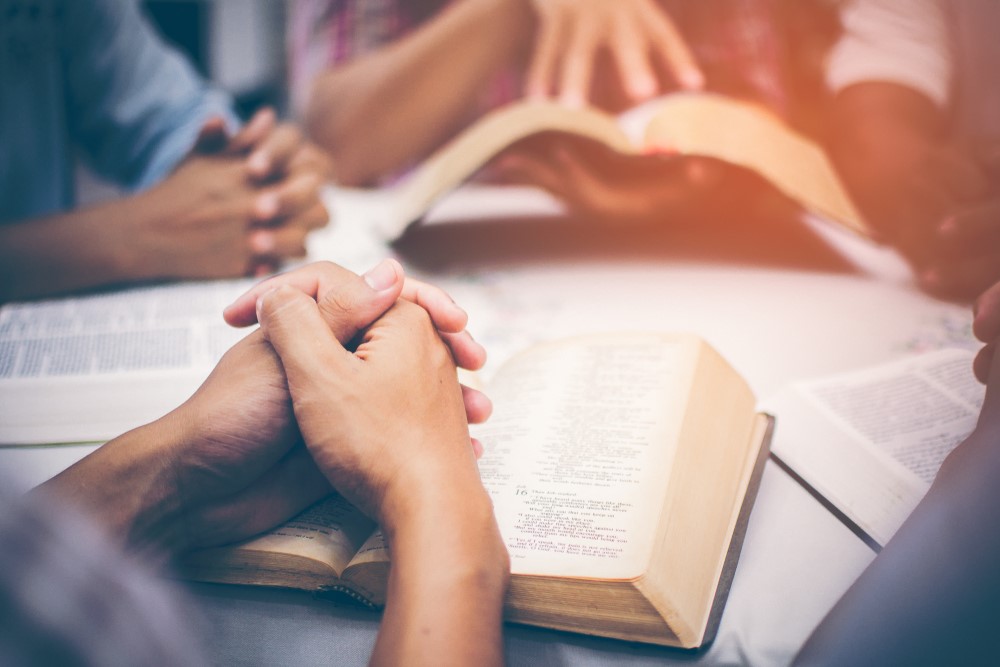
(134, 105)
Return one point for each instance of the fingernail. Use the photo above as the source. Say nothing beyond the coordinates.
(262, 242)
(659, 150)
(696, 172)
(692, 79)
(259, 163)
(382, 277)
(643, 87)
(536, 95)
(259, 306)
(477, 449)
(267, 206)
(572, 100)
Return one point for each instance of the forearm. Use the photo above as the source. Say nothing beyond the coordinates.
(128, 487)
(383, 110)
(448, 579)
(880, 138)
(72, 251)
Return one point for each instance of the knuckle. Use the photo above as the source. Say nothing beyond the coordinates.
(279, 300)
(337, 303)
(329, 273)
(414, 315)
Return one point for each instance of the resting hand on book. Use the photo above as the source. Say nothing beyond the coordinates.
(935, 200)
(639, 35)
(951, 234)
(966, 260)
(597, 183)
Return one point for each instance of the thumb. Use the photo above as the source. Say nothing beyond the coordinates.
(354, 304)
(348, 302)
(703, 173)
(292, 323)
(260, 126)
(213, 136)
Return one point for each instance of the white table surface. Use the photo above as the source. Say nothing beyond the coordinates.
(776, 301)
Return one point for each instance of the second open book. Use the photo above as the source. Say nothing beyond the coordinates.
(738, 132)
(870, 442)
(622, 470)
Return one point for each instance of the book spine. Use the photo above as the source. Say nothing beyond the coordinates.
(339, 591)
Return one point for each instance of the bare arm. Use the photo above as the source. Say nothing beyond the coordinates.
(881, 134)
(449, 574)
(916, 186)
(218, 215)
(387, 427)
(67, 252)
(385, 109)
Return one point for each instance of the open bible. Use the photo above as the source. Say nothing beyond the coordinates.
(704, 124)
(622, 469)
(870, 442)
(88, 368)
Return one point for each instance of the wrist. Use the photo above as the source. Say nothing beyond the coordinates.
(133, 249)
(128, 487)
(446, 518)
(431, 493)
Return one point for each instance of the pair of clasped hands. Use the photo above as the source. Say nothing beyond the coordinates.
(349, 383)
(238, 204)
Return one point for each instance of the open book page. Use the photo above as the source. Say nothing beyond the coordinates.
(872, 441)
(704, 124)
(331, 531)
(460, 158)
(579, 448)
(747, 135)
(374, 550)
(89, 368)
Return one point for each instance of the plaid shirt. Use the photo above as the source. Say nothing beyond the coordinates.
(323, 33)
(739, 43)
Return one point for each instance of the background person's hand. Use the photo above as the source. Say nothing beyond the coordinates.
(936, 201)
(289, 173)
(598, 184)
(270, 149)
(209, 220)
(964, 257)
(202, 223)
(638, 35)
(934, 204)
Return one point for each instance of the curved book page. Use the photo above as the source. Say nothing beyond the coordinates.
(749, 136)
(709, 125)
